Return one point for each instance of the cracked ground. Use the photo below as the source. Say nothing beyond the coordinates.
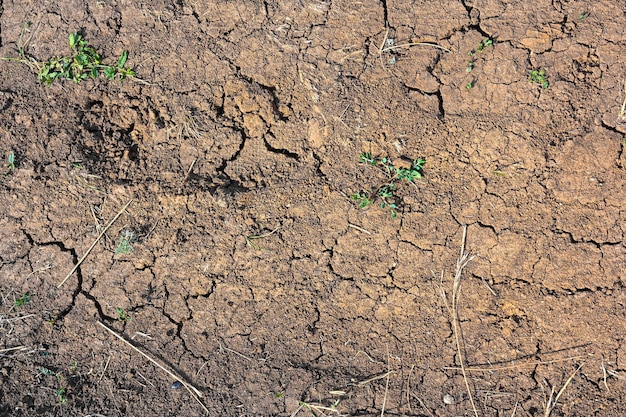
(254, 276)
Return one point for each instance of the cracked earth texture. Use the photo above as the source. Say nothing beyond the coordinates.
(251, 124)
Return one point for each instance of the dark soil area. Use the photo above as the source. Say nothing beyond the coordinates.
(244, 267)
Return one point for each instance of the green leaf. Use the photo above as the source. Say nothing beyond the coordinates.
(110, 72)
(122, 61)
(74, 39)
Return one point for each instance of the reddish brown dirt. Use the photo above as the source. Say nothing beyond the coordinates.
(253, 122)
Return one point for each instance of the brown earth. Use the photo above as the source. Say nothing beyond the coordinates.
(251, 123)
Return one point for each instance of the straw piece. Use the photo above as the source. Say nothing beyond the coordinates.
(94, 243)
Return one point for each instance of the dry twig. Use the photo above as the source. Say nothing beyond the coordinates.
(95, 243)
(464, 259)
(195, 393)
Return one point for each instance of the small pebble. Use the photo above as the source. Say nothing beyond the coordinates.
(448, 399)
(177, 385)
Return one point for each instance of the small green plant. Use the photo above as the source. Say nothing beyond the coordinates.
(124, 245)
(61, 394)
(11, 162)
(83, 63)
(481, 46)
(46, 371)
(386, 191)
(484, 44)
(122, 315)
(539, 76)
(61, 391)
(24, 299)
(583, 15)
(362, 199)
(470, 84)
(470, 66)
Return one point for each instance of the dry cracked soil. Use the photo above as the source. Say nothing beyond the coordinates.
(250, 283)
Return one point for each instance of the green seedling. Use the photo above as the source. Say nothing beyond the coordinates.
(539, 77)
(362, 199)
(470, 66)
(470, 85)
(122, 315)
(583, 15)
(61, 394)
(83, 63)
(481, 46)
(366, 158)
(53, 320)
(11, 164)
(386, 191)
(484, 44)
(61, 391)
(46, 371)
(24, 299)
(124, 245)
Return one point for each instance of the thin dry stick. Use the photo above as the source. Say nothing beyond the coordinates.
(190, 168)
(95, 243)
(367, 381)
(235, 352)
(360, 229)
(17, 318)
(106, 365)
(604, 375)
(195, 393)
(521, 365)
(382, 409)
(622, 112)
(13, 348)
(551, 404)
(408, 388)
(297, 410)
(406, 45)
(422, 404)
(464, 259)
(380, 49)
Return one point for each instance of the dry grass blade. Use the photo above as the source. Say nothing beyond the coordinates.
(622, 112)
(552, 402)
(492, 368)
(12, 349)
(195, 393)
(464, 259)
(320, 410)
(119, 213)
(382, 410)
(367, 381)
(406, 45)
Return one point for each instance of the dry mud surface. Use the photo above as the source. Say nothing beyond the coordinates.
(250, 124)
